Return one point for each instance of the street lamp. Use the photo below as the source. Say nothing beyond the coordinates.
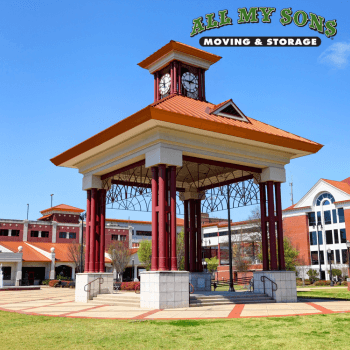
(133, 273)
(232, 288)
(82, 217)
(329, 251)
(348, 247)
(319, 226)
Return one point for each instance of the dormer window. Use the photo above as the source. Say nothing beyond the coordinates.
(229, 110)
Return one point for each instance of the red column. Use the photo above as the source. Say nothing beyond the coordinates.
(264, 240)
(219, 253)
(186, 238)
(199, 236)
(179, 78)
(200, 87)
(154, 262)
(192, 236)
(167, 223)
(92, 230)
(162, 218)
(102, 229)
(87, 232)
(173, 217)
(281, 262)
(203, 84)
(175, 78)
(172, 78)
(155, 87)
(272, 234)
(97, 228)
(157, 82)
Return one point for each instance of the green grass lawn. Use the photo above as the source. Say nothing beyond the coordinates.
(338, 293)
(299, 332)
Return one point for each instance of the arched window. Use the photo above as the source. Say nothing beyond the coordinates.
(323, 196)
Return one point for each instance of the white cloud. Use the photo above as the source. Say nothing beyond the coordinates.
(336, 55)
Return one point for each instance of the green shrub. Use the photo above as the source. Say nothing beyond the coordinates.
(45, 282)
(307, 282)
(344, 283)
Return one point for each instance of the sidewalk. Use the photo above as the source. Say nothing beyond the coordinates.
(60, 302)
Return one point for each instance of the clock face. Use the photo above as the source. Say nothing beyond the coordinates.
(190, 82)
(164, 84)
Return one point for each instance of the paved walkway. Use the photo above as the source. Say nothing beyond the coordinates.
(60, 302)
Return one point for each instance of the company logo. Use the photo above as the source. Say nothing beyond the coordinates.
(300, 18)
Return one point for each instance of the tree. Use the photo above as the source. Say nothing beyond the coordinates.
(290, 255)
(120, 256)
(254, 237)
(212, 263)
(145, 253)
(312, 275)
(180, 247)
(74, 254)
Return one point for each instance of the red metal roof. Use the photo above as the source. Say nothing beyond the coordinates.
(341, 185)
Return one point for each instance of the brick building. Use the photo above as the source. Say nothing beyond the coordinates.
(318, 222)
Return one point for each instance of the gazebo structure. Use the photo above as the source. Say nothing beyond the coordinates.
(177, 156)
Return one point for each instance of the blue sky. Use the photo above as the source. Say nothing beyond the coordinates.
(68, 69)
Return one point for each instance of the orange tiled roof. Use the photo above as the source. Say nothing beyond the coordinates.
(44, 217)
(341, 185)
(61, 250)
(185, 111)
(63, 207)
(133, 250)
(29, 253)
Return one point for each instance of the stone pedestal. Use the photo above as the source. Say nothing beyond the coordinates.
(286, 285)
(201, 281)
(84, 294)
(164, 289)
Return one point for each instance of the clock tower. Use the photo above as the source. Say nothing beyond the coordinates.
(179, 69)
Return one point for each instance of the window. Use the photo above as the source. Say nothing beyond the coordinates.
(72, 235)
(334, 212)
(314, 258)
(341, 215)
(114, 237)
(336, 237)
(62, 235)
(322, 257)
(34, 233)
(329, 237)
(323, 196)
(15, 233)
(331, 256)
(326, 203)
(320, 237)
(6, 272)
(327, 217)
(313, 238)
(143, 233)
(337, 256)
(319, 221)
(312, 219)
(342, 235)
(344, 253)
(4, 232)
(45, 234)
(122, 238)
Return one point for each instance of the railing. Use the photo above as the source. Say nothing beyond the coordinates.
(273, 284)
(237, 281)
(89, 285)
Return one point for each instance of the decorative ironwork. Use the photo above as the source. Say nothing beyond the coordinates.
(131, 189)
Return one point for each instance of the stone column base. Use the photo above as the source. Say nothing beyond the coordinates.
(201, 281)
(94, 288)
(164, 289)
(286, 285)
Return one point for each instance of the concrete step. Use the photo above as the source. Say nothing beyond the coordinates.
(114, 303)
(227, 296)
(195, 304)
